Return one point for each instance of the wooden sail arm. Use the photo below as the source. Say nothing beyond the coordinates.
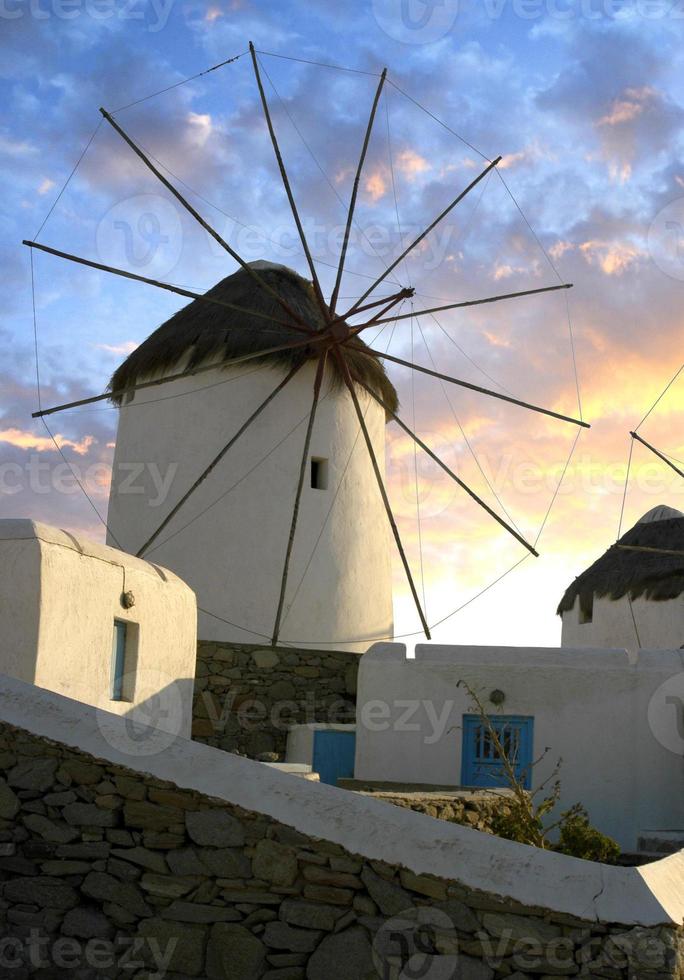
(423, 234)
(464, 486)
(657, 453)
(470, 302)
(344, 370)
(262, 284)
(320, 371)
(477, 388)
(286, 184)
(355, 190)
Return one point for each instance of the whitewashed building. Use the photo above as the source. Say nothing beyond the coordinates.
(613, 717)
(229, 540)
(95, 624)
(633, 595)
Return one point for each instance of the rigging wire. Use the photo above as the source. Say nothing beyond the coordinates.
(319, 64)
(415, 471)
(631, 445)
(529, 226)
(438, 120)
(560, 279)
(558, 486)
(183, 81)
(413, 379)
(624, 492)
(660, 397)
(68, 180)
(322, 171)
(166, 398)
(463, 433)
(574, 357)
(47, 428)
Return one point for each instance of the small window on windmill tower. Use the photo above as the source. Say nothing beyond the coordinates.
(319, 473)
(586, 609)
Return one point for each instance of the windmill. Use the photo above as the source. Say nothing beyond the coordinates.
(317, 335)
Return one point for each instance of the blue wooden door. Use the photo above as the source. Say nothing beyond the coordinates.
(333, 755)
(481, 764)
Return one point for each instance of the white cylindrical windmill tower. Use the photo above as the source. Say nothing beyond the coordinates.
(229, 538)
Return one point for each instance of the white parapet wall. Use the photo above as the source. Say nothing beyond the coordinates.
(611, 716)
(60, 596)
(540, 880)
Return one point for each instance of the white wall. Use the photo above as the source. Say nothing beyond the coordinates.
(649, 896)
(589, 707)
(233, 554)
(655, 626)
(300, 740)
(59, 596)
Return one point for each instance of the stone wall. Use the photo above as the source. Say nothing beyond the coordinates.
(471, 809)
(108, 872)
(246, 696)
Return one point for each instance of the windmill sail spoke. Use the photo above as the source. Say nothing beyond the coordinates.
(482, 391)
(449, 471)
(475, 302)
(286, 184)
(344, 368)
(405, 293)
(355, 190)
(190, 373)
(423, 234)
(379, 316)
(165, 285)
(198, 217)
(217, 459)
(656, 452)
(320, 370)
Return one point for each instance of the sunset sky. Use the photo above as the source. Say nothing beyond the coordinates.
(583, 100)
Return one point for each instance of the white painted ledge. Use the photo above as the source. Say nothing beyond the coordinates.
(649, 896)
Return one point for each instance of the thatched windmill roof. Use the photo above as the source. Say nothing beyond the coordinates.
(202, 333)
(638, 573)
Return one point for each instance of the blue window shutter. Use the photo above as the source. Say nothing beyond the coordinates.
(480, 763)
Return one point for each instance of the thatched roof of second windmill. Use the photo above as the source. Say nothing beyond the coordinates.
(619, 572)
(201, 333)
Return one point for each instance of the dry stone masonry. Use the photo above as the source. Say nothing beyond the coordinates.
(107, 872)
(246, 696)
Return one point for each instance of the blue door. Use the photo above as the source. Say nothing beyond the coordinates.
(481, 764)
(333, 755)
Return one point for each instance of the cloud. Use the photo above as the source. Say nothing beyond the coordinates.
(29, 440)
(375, 185)
(120, 349)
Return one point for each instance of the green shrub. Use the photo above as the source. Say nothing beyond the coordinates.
(578, 838)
